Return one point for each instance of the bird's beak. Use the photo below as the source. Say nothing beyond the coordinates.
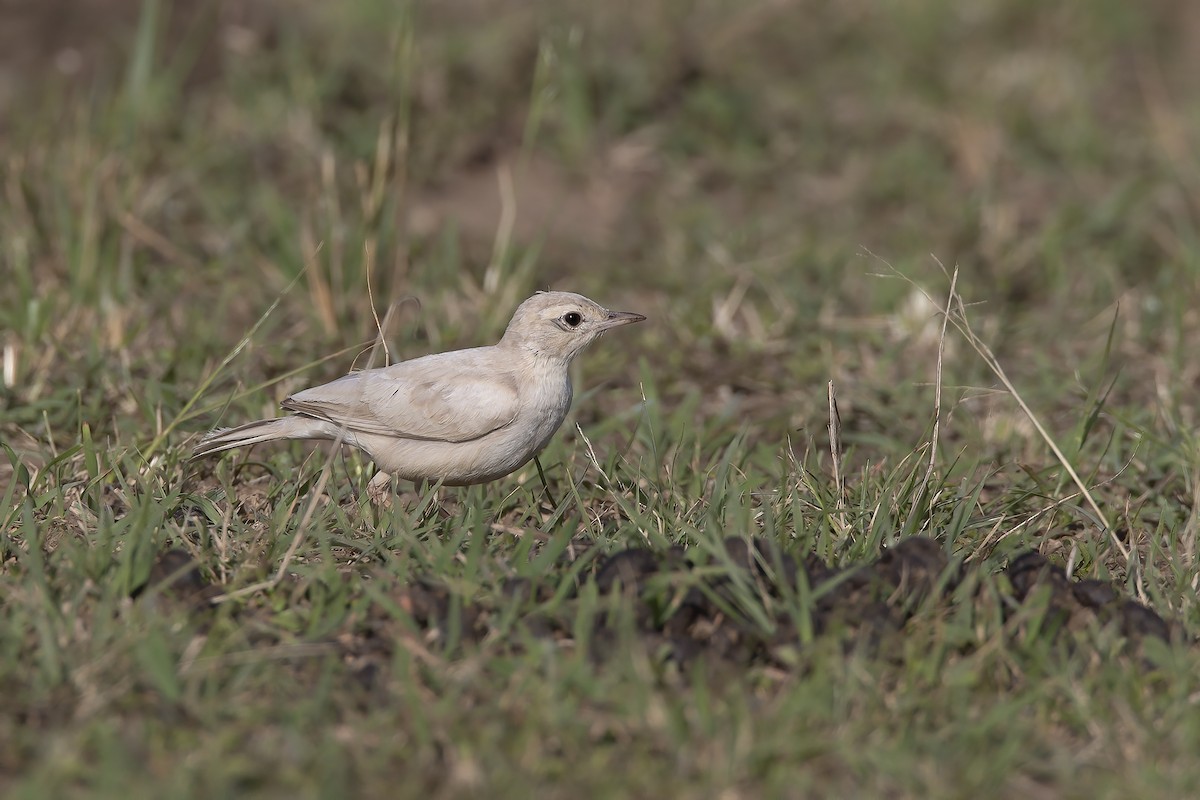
(617, 318)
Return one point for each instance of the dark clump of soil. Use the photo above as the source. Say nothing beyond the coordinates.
(716, 607)
(753, 603)
(1072, 605)
(745, 602)
(175, 580)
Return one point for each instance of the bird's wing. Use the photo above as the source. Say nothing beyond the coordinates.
(438, 398)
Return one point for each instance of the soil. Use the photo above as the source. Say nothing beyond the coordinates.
(741, 607)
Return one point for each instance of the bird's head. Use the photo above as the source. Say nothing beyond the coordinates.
(560, 325)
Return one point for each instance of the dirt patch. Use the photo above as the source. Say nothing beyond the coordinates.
(589, 211)
(177, 582)
(754, 604)
(1071, 605)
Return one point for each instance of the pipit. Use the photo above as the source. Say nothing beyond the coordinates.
(462, 417)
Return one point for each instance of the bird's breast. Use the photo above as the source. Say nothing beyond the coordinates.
(546, 401)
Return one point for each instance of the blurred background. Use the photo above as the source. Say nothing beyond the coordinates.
(752, 175)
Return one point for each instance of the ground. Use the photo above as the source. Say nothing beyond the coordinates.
(972, 572)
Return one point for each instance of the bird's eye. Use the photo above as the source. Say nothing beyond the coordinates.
(572, 318)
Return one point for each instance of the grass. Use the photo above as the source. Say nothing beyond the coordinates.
(189, 224)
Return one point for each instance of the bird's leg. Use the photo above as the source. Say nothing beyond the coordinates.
(545, 485)
(379, 490)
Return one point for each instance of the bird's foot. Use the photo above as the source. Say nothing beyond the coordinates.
(379, 490)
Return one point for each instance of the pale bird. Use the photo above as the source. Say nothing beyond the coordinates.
(462, 417)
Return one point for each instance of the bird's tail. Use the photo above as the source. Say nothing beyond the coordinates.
(264, 430)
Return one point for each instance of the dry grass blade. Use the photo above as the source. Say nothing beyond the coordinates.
(835, 452)
(956, 314)
(937, 395)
